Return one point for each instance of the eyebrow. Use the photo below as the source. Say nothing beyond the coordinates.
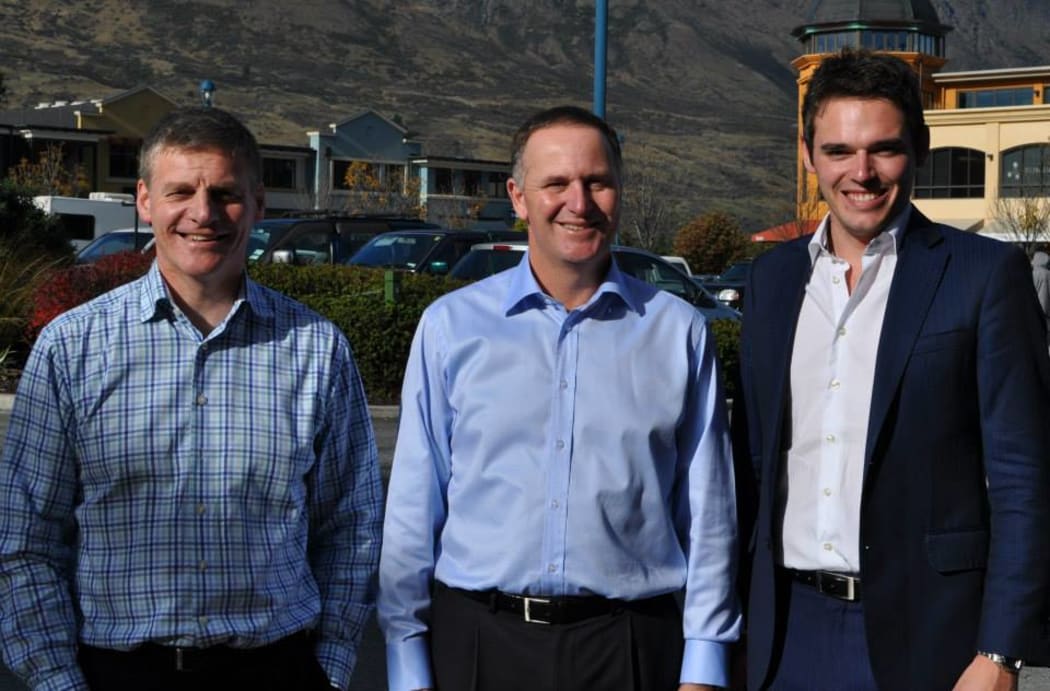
(880, 145)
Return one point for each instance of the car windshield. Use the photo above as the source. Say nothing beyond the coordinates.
(111, 243)
(396, 250)
(479, 263)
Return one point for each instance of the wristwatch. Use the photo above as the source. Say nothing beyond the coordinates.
(1010, 664)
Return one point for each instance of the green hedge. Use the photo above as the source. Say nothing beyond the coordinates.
(381, 333)
(355, 300)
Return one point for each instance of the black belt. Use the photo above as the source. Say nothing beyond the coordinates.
(559, 610)
(191, 659)
(837, 585)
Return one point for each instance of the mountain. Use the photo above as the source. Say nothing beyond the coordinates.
(702, 91)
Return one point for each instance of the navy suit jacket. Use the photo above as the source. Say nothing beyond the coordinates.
(955, 507)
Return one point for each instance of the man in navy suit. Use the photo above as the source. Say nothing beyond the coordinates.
(895, 410)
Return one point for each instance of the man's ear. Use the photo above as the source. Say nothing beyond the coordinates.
(142, 201)
(517, 199)
(807, 155)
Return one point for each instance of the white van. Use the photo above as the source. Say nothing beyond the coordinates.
(86, 219)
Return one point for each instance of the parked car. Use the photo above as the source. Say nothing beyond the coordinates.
(728, 286)
(424, 251)
(488, 258)
(120, 240)
(319, 239)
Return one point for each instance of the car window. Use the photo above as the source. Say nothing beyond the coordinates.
(312, 243)
(394, 250)
(479, 263)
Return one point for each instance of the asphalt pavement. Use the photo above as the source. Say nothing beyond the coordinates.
(370, 674)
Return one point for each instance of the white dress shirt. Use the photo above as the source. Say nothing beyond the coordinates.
(832, 373)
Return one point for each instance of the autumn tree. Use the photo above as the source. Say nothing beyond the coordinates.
(50, 174)
(376, 189)
(1024, 220)
(710, 242)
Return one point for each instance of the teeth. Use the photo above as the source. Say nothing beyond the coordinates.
(863, 196)
(197, 238)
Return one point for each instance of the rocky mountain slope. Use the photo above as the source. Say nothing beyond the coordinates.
(702, 90)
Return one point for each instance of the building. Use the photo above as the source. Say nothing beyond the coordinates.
(989, 129)
(370, 163)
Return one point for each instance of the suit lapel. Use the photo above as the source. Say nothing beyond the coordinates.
(921, 260)
(790, 286)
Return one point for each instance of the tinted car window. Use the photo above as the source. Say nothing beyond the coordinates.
(396, 250)
(478, 264)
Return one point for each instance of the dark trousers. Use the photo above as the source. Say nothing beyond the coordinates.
(474, 648)
(825, 647)
(285, 665)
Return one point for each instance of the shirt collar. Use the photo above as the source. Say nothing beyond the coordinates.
(885, 242)
(155, 302)
(524, 292)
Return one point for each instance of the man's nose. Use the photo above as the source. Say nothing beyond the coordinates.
(864, 169)
(580, 199)
(203, 207)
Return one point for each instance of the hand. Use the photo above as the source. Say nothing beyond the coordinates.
(984, 675)
(696, 687)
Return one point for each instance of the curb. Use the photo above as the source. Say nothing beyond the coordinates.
(379, 412)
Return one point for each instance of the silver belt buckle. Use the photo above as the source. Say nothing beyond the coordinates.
(851, 582)
(528, 609)
(178, 660)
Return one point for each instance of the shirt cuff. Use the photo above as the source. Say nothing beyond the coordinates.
(408, 665)
(705, 662)
(337, 660)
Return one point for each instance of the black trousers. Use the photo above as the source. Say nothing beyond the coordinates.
(285, 665)
(474, 648)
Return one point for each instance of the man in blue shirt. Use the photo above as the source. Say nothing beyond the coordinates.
(562, 468)
(189, 493)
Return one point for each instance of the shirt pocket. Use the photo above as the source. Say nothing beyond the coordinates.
(960, 550)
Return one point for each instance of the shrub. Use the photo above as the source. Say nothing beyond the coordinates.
(727, 338)
(65, 288)
(354, 299)
(711, 242)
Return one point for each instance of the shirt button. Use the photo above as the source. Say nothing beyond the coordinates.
(203, 565)
(201, 508)
(204, 347)
(559, 444)
(827, 491)
(842, 331)
(835, 280)
(830, 437)
(827, 547)
(554, 503)
(551, 568)
(203, 621)
(202, 399)
(835, 385)
(563, 385)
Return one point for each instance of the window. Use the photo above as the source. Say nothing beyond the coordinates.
(497, 186)
(279, 173)
(472, 183)
(442, 180)
(1025, 171)
(951, 173)
(123, 160)
(997, 98)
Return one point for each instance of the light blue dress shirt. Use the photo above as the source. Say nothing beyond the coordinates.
(548, 452)
(157, 485)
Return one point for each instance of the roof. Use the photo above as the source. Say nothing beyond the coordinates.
(908, 13)
(786, 231)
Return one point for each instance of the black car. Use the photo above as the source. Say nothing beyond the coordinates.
(321, 239)
(425, 251)
(729, 285)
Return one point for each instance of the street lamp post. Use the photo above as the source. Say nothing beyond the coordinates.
(601, 18)
(207, 91)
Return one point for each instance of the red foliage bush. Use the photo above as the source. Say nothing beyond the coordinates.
(68, 287)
